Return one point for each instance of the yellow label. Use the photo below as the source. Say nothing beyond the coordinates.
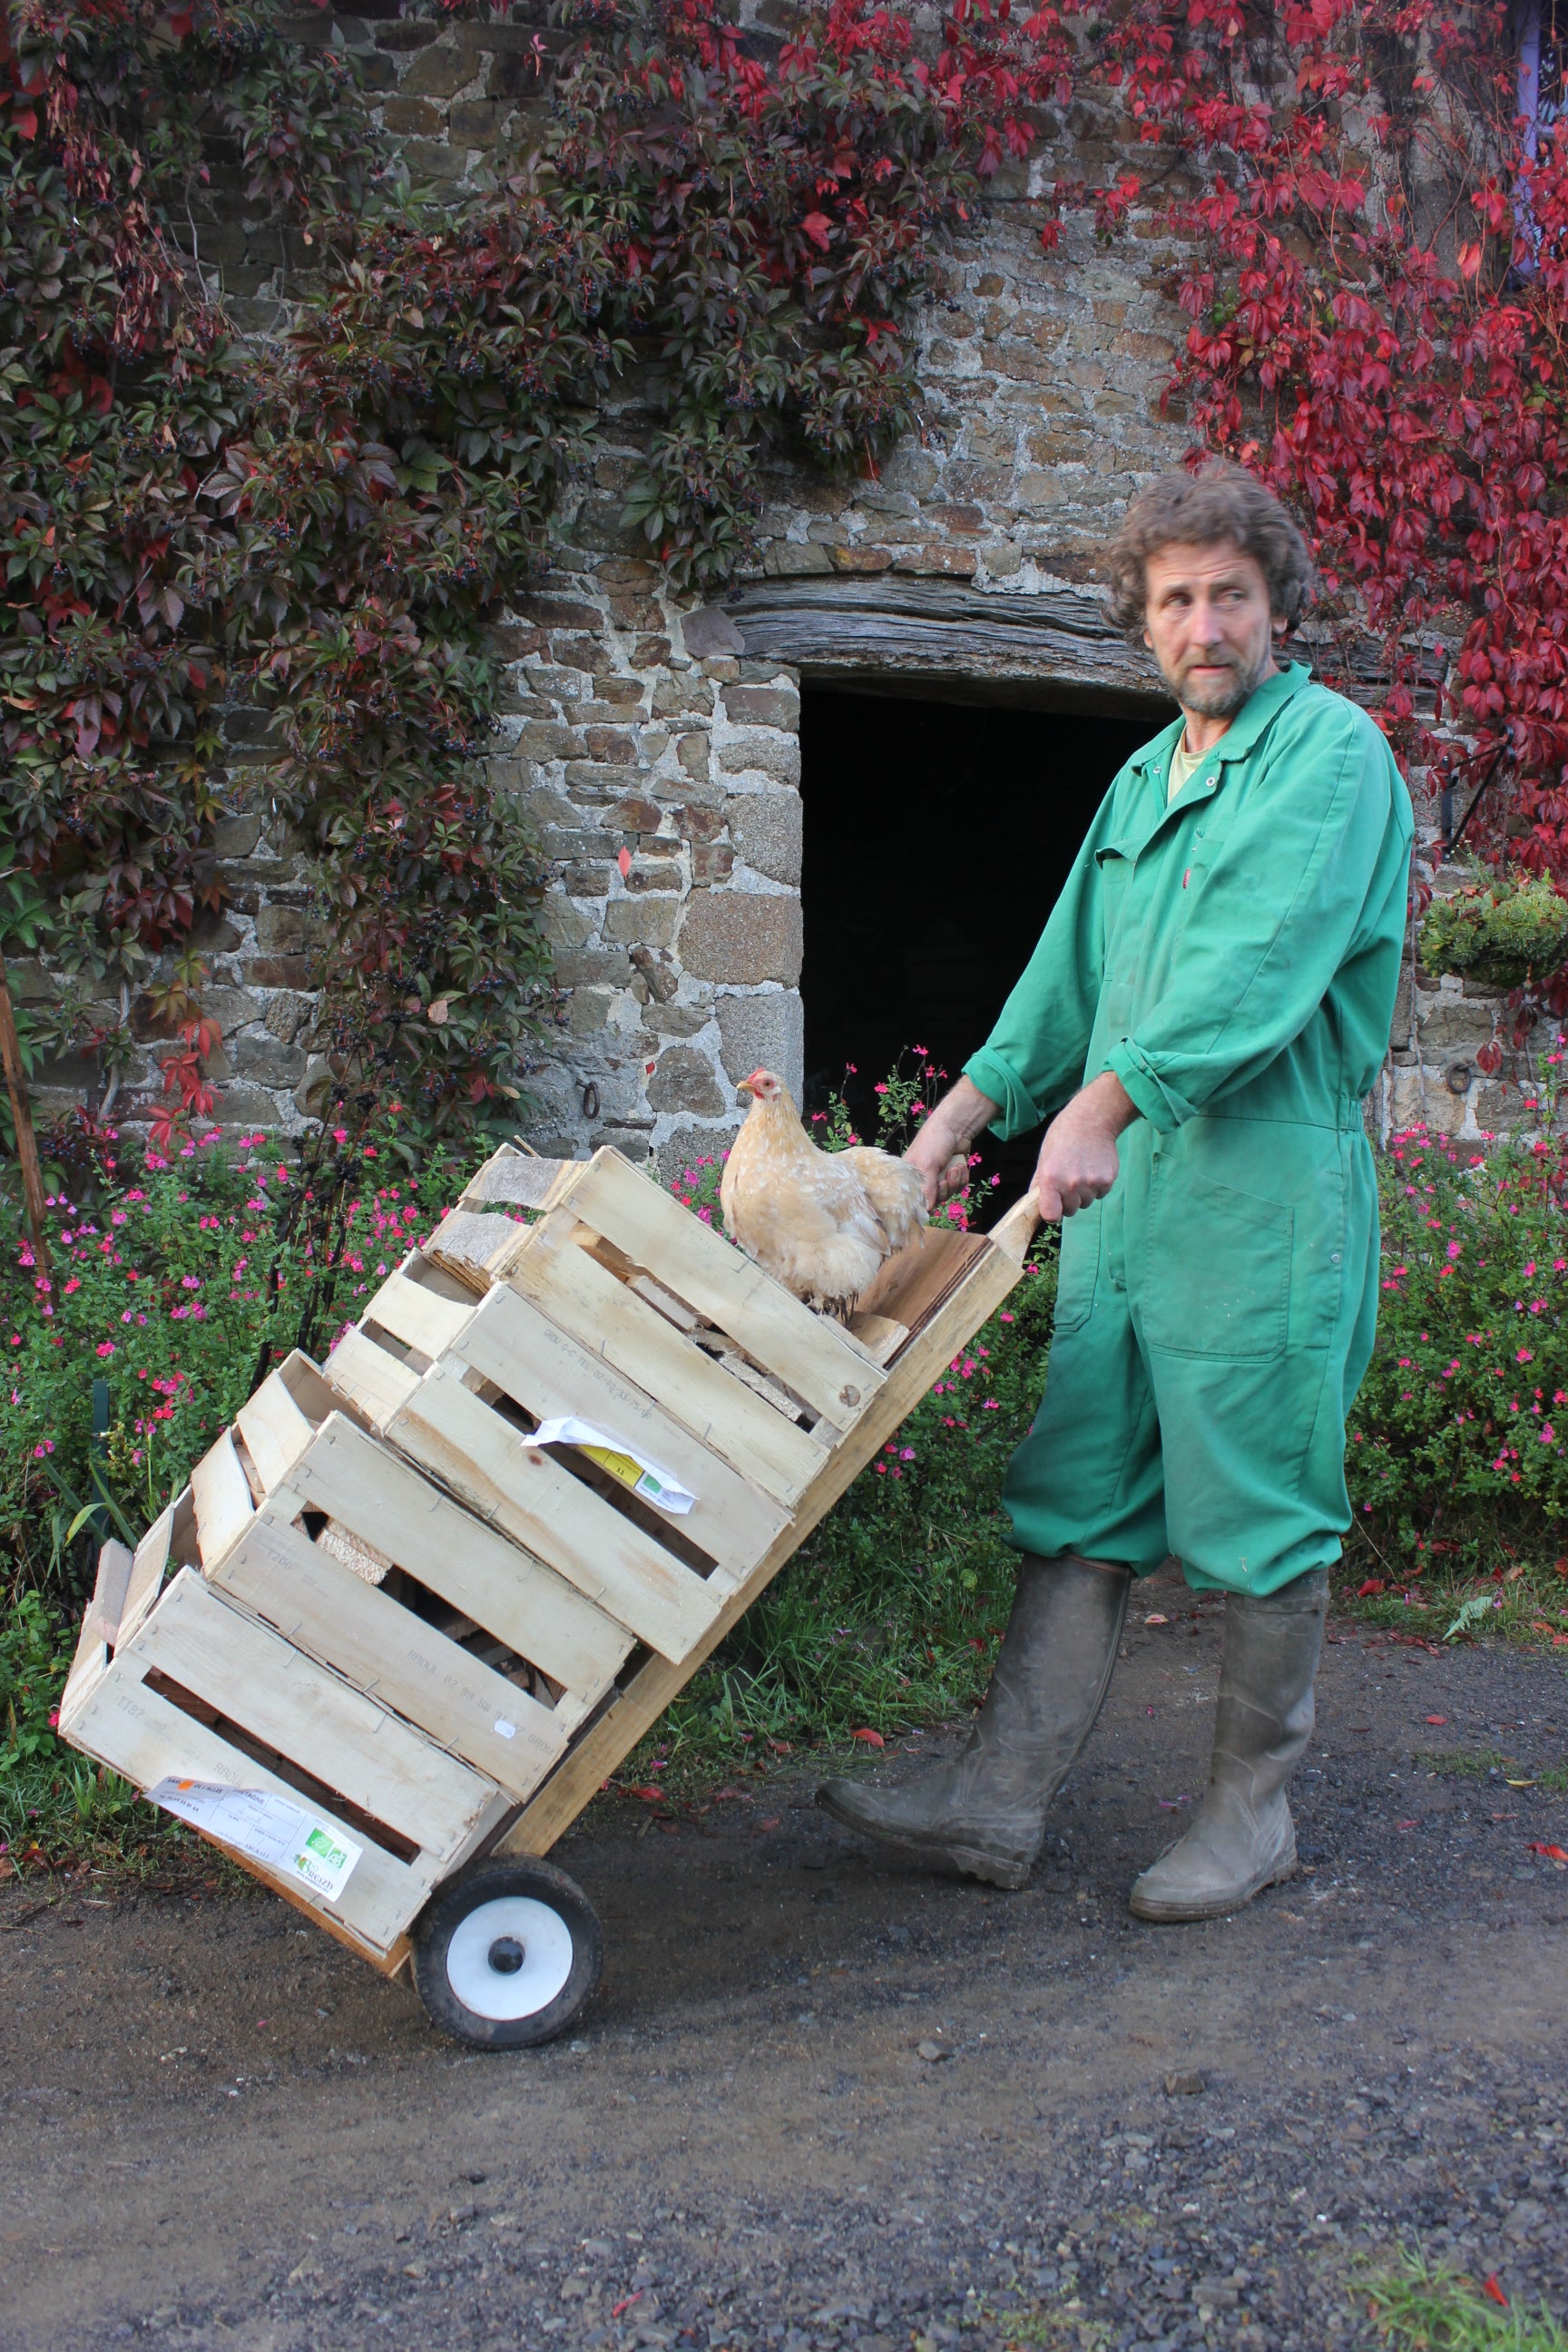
(619, 1466)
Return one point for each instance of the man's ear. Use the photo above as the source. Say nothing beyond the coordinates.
(1148, 640)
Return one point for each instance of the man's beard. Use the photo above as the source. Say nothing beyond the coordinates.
(1224, 697)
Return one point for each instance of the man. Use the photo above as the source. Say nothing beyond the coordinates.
(1209, 1005)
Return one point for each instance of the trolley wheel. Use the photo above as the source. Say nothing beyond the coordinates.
(507, 1954)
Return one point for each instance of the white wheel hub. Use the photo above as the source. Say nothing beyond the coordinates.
(510, 1957)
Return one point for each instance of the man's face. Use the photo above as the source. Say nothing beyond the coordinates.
(1206, 621)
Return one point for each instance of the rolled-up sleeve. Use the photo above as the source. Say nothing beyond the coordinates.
(1276, 917)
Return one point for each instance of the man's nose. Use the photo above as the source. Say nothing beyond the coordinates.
(1207, 627)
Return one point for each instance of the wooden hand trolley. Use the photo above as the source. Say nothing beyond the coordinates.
(419, 1627)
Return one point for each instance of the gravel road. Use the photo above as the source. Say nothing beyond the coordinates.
(826, 2100)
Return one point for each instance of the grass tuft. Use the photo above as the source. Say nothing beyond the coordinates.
(1418, 2308)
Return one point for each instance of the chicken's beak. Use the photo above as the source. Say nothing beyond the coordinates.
(745, 1092)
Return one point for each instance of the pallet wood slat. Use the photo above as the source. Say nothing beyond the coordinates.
(386, 1651)
(549, 1373)
(114, 1716)
(115, 1562)
(416, 1315)
(467, 1562)
(369, 1757)
(275, 1427)
(574, 1291)
(543, 1507)
(223, 1499)
(373, 1382)
(809, 1354)
(518, 1179)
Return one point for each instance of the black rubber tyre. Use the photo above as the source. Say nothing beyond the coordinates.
(507, 1955)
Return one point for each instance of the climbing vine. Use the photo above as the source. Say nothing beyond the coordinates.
(1378, 291)
(319, 528)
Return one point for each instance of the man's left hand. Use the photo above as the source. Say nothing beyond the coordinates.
(1078, 1162)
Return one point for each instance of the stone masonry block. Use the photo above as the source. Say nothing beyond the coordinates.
(766, 831)
(439, 72)
(765, 1033)
(1437, 1109)
(645, 921)
(278, 972)
(769, 755)
(764, 705)
(690, 1145)
(231, 1008)
(1448, 1026)
(284, 930)
(236, 836)
(684, 1080)
(268, 1062)
(743, 936)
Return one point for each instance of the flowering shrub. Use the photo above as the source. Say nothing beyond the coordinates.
(168, 1281)
(909, 1094)
(1458, 1442)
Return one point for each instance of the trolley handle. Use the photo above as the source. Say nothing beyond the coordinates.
(1013, 1233)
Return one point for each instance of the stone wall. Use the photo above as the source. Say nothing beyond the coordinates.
(656, 748)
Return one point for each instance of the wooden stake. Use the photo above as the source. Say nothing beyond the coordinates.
(21, 1114)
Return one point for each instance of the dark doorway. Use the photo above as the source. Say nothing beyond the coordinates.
(937, 835)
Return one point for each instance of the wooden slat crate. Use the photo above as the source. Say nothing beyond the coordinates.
(381, 1592)
(182, 1684)
(305, 1518)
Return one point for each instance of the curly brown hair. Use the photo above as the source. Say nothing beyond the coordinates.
(1220, 502)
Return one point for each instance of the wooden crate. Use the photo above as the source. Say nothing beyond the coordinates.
(620, 1307)
(172, 1681)
(304, 1517)
(381, 1592)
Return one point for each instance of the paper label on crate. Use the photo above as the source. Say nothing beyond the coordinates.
(269, 1829)
(613, 1455)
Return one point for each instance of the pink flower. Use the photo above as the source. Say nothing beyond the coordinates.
(104, 1348)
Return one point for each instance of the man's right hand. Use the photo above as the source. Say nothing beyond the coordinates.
(941, 1149)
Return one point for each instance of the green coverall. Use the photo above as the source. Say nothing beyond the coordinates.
(1234, 958)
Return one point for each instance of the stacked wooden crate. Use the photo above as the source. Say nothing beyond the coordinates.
(384, 1594)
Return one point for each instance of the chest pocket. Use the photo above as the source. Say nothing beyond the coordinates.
(1207, 843)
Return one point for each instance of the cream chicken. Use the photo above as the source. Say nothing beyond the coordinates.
(820, 1221)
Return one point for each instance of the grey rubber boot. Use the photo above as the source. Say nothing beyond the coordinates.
(986, 1812)
(1244, 1839)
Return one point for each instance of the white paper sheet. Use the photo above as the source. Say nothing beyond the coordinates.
(622, 1461)
(268, 1828)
